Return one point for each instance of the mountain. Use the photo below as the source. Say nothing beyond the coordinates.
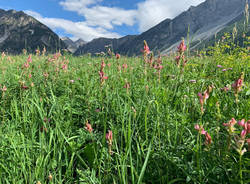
(20, 31)
(238, 22)
(202, 22)
(98, 45)
(80, 42)
(71, 45)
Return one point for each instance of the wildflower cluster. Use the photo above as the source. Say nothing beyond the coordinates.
(238, 140)
(200, 129)
(181, 55)
(102, 74)
(204, 96)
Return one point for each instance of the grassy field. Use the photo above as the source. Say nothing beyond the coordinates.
(117, 120)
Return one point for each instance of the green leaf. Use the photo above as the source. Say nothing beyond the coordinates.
(145, 164)
(89, 153)
(248, 92)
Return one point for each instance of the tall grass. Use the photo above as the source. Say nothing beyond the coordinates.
(46, 102)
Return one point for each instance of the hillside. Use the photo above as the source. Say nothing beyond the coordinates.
(20, 31)
(204, 21)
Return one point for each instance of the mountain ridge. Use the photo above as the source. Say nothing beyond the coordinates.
(203, 20)
(72, 46)
(20, 31)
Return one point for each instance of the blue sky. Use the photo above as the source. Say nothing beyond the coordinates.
(89, 19)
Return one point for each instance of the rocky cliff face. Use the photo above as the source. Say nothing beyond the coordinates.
(71, 45)
(203, 21)
(19, 31)
(80, 42)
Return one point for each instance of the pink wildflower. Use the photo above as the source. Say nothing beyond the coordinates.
(102, 77)
(25, 87)
(117, 56)
(177, 59)
(88, 127)
(26, 65)
(124, 66)
(3, 54)
(45, 120)
(230, 125)
(4, 88)
(182, 47)
(225, 89)
(160, 67)
(208, 140)
(200, 129)
(159, 59)
(109, 137)
(237, 85)
(242, 123)
(146, 48)
(246, 126)
(248, 143)
(197, 127)
(203, 97)
(45, 74)
(127, 86)
(64, 66)
(29, 60)
(101, 73)
(185, 62)
(243, 133)
(103, 64)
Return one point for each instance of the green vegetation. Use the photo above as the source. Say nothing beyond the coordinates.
(56, 111)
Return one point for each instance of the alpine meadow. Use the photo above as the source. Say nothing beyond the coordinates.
(177, 117)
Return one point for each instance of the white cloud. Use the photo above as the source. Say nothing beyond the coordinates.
(148, 12)
(152, 12)
(109, 17)
(77, 29)
(33, 14)
(99, 21)
(97, 15)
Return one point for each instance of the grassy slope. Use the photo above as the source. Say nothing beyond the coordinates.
(154, 139)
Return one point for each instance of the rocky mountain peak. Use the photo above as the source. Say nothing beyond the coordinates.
(72, 46)
(80, 42)
(20, 31)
